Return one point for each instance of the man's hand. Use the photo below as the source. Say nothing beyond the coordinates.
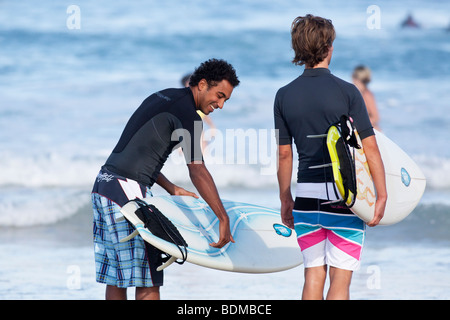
(380, 205)
(179, 191)
(225, 235)
(286, 213)
(173, 189)
(204, 183)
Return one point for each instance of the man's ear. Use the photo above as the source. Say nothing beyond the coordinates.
(202, 85)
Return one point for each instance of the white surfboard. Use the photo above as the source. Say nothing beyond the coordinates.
(405, 183)
(262, 243)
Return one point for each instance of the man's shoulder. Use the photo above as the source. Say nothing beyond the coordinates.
(172, 94)
(282, 91)
(170, 99)
(345, 85)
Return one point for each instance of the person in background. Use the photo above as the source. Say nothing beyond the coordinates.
(328, 235)
(410, 22)
(361, 78)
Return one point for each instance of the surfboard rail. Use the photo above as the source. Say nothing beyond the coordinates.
(263, 243)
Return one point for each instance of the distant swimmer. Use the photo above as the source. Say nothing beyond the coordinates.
(409, 22)
(361, 78)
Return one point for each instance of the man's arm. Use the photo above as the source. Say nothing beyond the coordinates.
(204, 183)
(376, 168)
(284, 174)
(173, 189)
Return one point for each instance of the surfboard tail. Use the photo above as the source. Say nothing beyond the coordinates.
(340, 137)
(143, 215)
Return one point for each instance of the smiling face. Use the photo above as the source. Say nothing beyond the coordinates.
(209, 98)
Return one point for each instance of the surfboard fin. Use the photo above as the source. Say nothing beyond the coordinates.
(120, 219)
(131, 236)
(333, 202)
(314, 136)
(166, 264)
(321, 166)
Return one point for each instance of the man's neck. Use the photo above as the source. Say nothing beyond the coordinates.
(322, 64)
(325, 62)
(195, 94)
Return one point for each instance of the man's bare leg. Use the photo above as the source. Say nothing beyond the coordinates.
(340, 280)
(147, 293)
(115, 293)
(314, 283)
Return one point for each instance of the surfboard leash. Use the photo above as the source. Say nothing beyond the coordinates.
(159, 225)
(346, 140)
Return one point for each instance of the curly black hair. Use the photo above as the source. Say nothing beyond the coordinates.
(214, 71)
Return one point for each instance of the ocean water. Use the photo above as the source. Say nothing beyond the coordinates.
(71, 74)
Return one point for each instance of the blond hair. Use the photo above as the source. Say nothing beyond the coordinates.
(362, 73)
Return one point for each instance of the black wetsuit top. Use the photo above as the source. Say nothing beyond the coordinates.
(308, 106)
(163, 120)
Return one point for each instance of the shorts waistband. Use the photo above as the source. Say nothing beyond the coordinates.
(319, 205)
(321, 190)
(118, 188)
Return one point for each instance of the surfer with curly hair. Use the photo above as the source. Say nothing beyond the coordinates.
(164, 121)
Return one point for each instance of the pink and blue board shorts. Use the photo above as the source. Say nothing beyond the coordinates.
(129, 264)
(328, 235)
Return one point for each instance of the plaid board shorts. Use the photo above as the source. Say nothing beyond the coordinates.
(328, 235)
(129, 264)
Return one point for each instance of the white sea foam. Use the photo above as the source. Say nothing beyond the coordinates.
(25, 207)
(436, 170)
